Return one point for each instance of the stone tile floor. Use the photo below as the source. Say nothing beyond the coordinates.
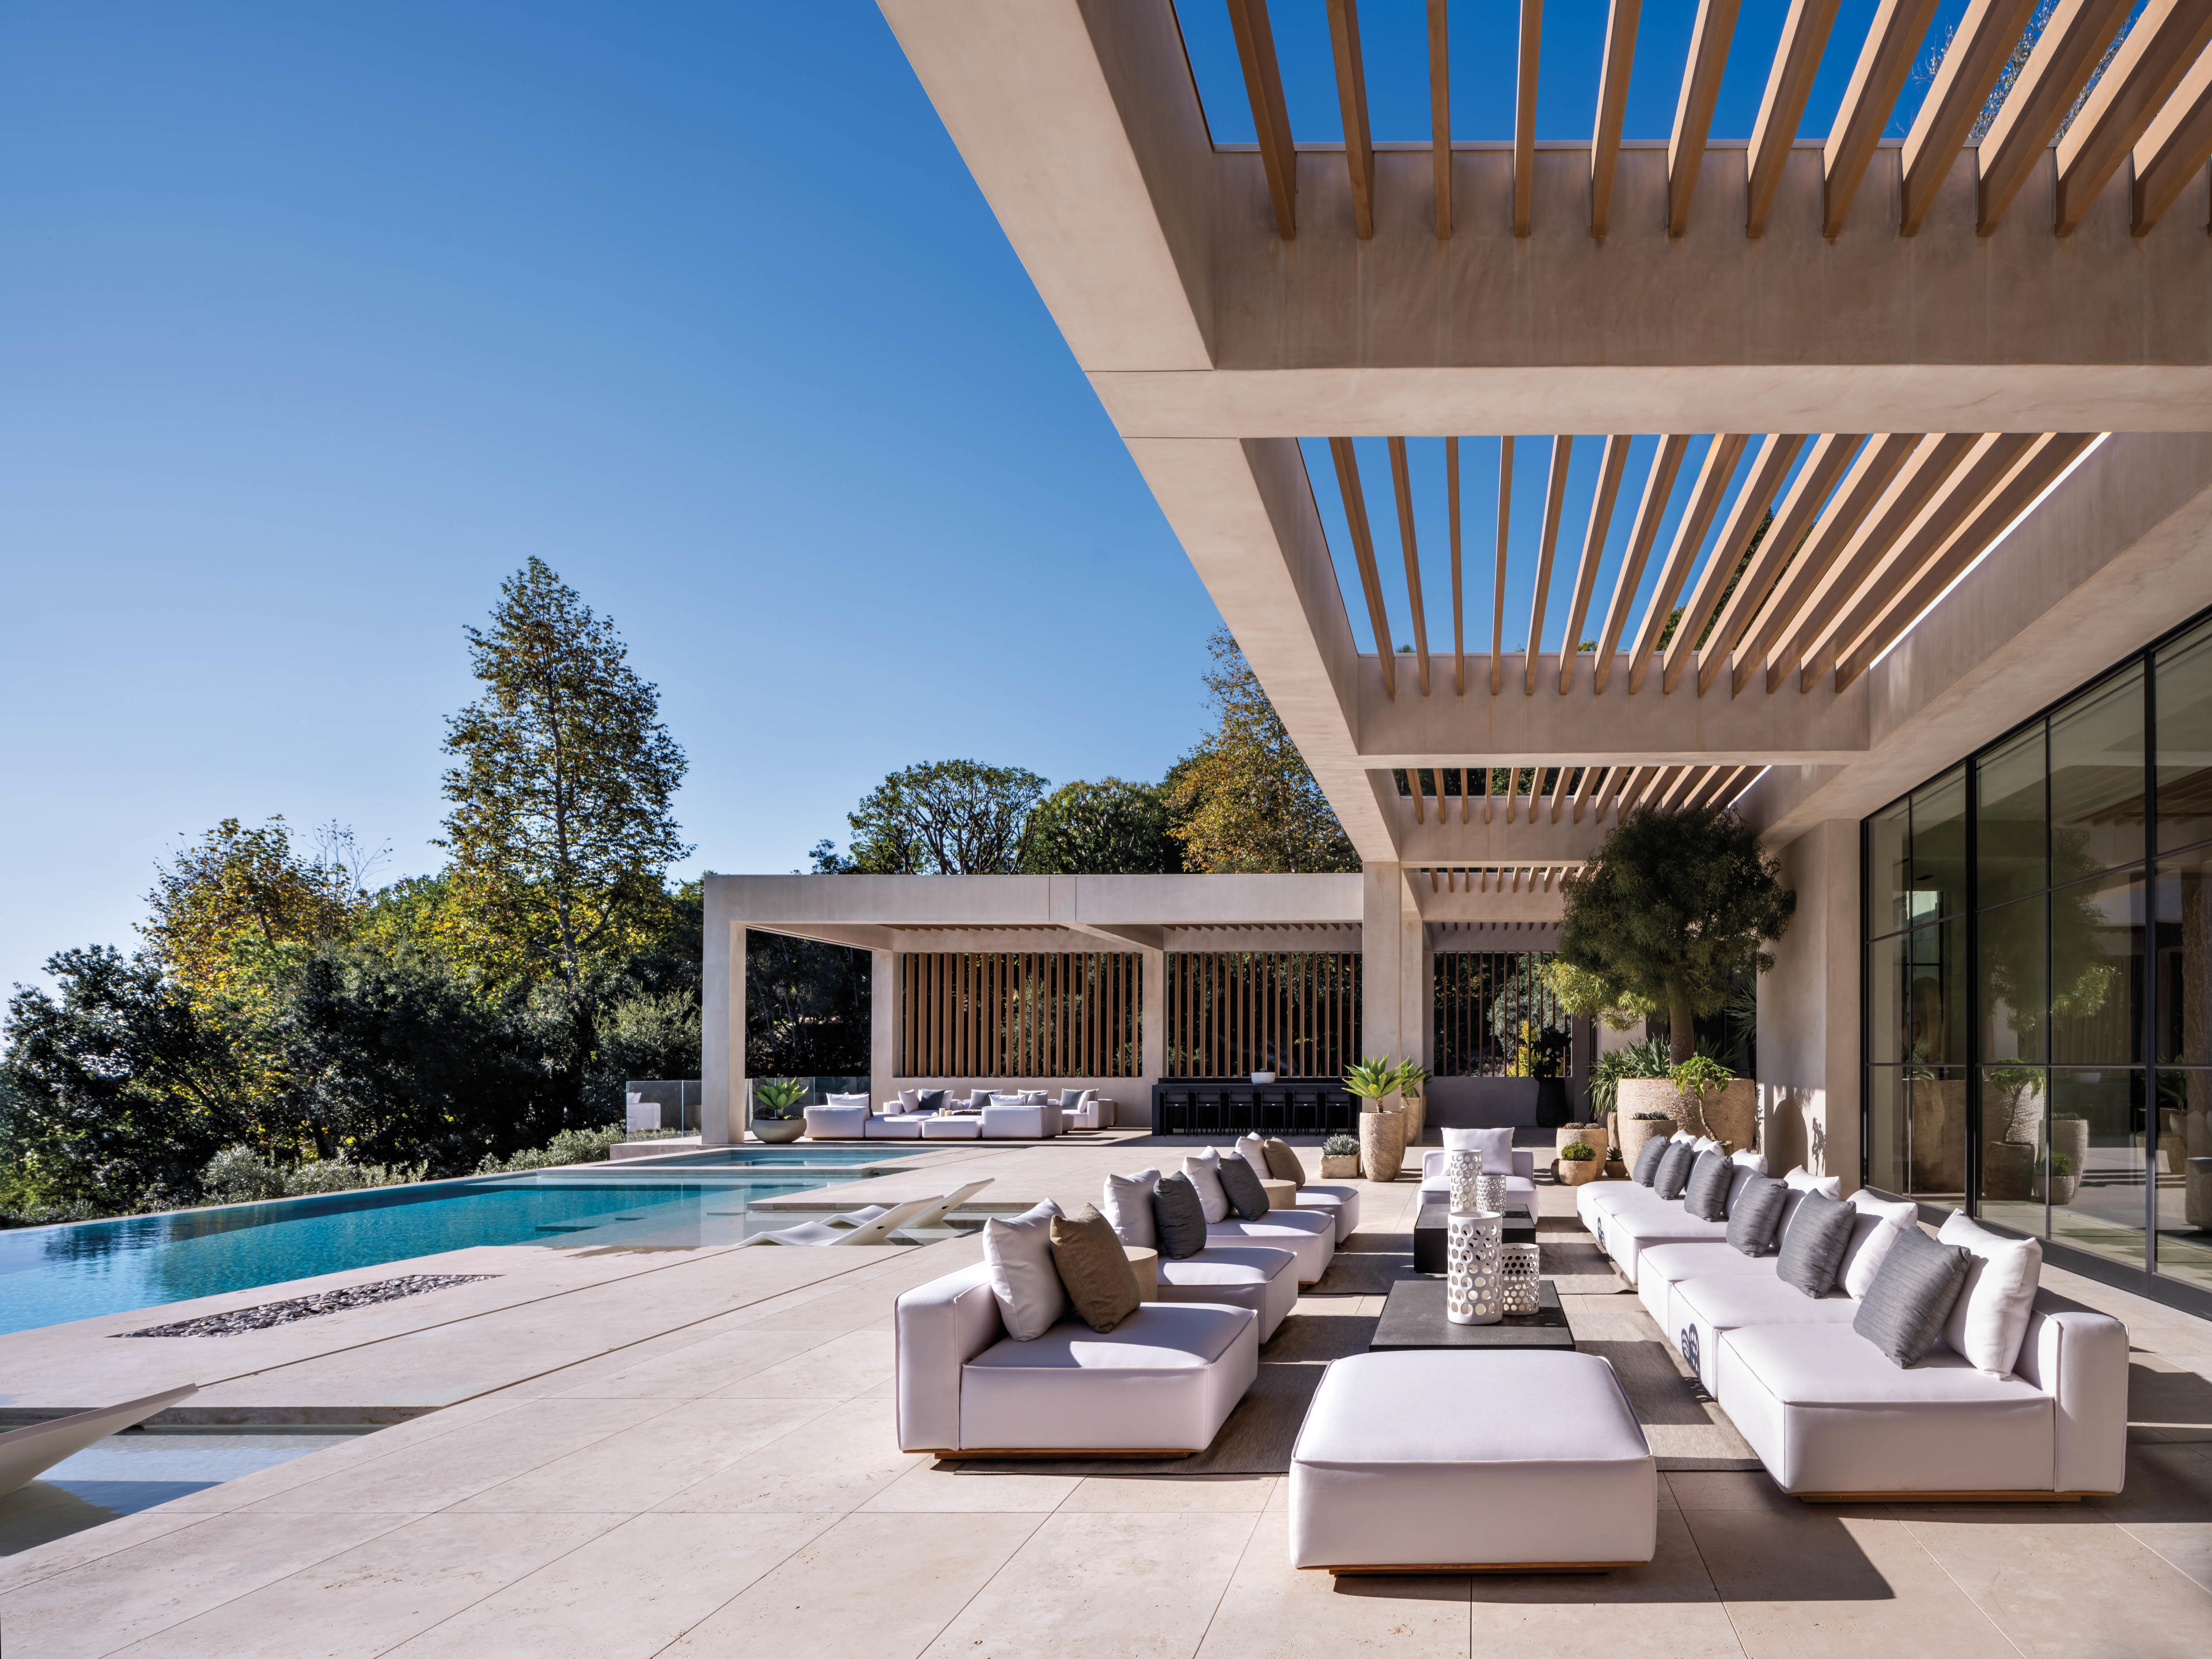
(701, 1461)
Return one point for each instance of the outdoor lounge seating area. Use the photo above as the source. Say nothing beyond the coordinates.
(985, 1113)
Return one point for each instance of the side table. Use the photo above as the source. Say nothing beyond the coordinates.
(1145, 1262)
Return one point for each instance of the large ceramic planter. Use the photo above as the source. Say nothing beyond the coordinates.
(1415, 1111)
(778, 1130)
(1574, 1173)
(1731, 1114)
(1381, 1144)
(2008, 1170)
(1552, 1103)
(1592, 1135)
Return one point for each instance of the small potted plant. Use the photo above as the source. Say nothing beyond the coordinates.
(779, 1108)
(1340, 1159)
(1578, 1162)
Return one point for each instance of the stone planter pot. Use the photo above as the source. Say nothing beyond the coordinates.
(2063, 1188)
(2008, 1170)
(1381, 1144)
(1573, 1173)
(1344, 1168)
(2069, 1140)
(777, 1131)
(1592, 1135)
(1731, 1114)
(1416, 1112)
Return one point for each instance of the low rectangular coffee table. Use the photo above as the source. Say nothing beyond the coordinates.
(1431, 1247)
(1413, 1317)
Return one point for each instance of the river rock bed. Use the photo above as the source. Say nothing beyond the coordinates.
(310, 1307)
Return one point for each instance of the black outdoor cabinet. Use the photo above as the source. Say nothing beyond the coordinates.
(1232, 1106)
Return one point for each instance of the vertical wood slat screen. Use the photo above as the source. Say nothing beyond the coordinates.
(1009, 1014)
(1234, 1013)
(1481, 998)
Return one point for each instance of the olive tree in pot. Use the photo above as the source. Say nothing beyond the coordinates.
(779, 1108)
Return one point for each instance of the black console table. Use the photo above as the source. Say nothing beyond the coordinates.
(1222, 1106)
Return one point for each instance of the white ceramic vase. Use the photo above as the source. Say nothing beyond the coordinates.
(1517, 1271)
(1490, 1193)
(1464, 1170)
(1474, 1242)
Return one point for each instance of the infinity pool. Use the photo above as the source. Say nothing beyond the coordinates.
(51, 1274)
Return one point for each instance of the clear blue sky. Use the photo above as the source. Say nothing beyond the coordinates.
(316, 321)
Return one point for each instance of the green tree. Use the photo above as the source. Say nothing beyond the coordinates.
(560, 825)
(1106, 829)
(1244, 798)
(1674, 907)
(955, 817)
(223, 906)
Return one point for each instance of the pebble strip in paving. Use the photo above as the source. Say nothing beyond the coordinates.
(310, 1307)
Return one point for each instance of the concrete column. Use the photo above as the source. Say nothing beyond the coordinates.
(1382, 953)
(1418, 1023)
(722, 1027)
(1153, 1017)
(883, 1025)
(1808, 1011)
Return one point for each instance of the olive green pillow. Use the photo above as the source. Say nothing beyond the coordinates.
(1282, 1162)
(1094, 1269)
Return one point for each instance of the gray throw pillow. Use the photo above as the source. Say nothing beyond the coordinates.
(1647, 1161)
(1812, 1248)
(1912, 1293)
(1758, 1212)
(1178, 1218)
(1094, 1269)
(1283, 1162)
(1241, 1183)
(928, 1100)
(1674, 1169)
(1705, 1196)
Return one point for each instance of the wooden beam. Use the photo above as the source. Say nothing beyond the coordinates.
(1524, 115)
(2174, 148)
(1789, 84)
(1591, 774)
(1715, 779)
(1794, 520)
(1688, 775)
(1352, 98)
(2149, 67)
(1362, 550)
(1978, 54)
(1693, 111)
(1658, 489)
(1559, 790)
(1466, 793)
(1414, 789)
(1401, 483)
(1563, 448)
(2066, 54)
(1601, 520)
(1440, 115)
(1498, 597)
(1612, 109)
(1768, 470)
(1892, 42)
(1621, 782)
(1723, 456)
(1459, 606)
(1271, 120)
(2035, 469)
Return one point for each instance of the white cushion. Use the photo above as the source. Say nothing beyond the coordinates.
(1254, 1150)
(910, 1098)
(1549, 1466)
(1496, 1145)
(1255, 1276)
(1705, 1143)
(1683, 1135)
(1204, 1170)
(897, 1125)
(1990, 1316)
(1870, 1245)
(1310, 1234)
(845, 1100)
(1755, 1162)
(951, 1128)
(1804, 1181)
(1018, 1253)
(1663, 1266)
(1128, 1207)
(1703, 1310)
(1342, 1202)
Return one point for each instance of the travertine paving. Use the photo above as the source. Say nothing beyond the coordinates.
(691, 1453)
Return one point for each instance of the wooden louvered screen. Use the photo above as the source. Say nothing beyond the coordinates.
(1482, 999)
(1009, 1014)
(1234, 1013)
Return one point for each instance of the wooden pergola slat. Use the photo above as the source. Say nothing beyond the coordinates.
(1722, 457)
(1401, 484)
(1498, 597)
(1693, 111)
(1789, 84)
(1769, 468)
(1977, 56)
(1524, 115)
(1619, 780)
(2150, 65)
(1892, 42)
(1271, 120)
(1362, 550)
(1459, 605)
(1666, 801)
(1351, 97)
(1612, 108)
(2174, 148)
(1591, 776)
(1555, 494)
(2066, 54)
(1601, 520)
(1793, 520)
(1559, 790)
(1658, 490)
(1440, 116)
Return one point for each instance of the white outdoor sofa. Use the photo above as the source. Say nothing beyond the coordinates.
(1340, 1203)
(1000, 1117)
(1627, 1218)
(1162, 1382)
(1085, 1109)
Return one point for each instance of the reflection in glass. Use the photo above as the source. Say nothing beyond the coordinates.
(2014, 1106)
(2096, 971)
(1885, 993)
(2013, 942)
(2097, 779)
(1935, 994)
(1935, 1133)
(2185, 740)
(2184, 958)
(2185, 1175)
(1886, 1163)
(1939, 848)
(2096, 1159)
(2009, 851)
(1888, 880)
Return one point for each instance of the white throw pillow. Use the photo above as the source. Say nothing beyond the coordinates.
(1684, 1136)
(1033, 1097)
(1705, 1143)
(1204, 1173)
(1008, 1100)
(1754, 1162)
(1128, 1207)
(1018, 1253)
(1496, 1146)
(909, 1099)
(1989, 1318)
(845, 1100)
(1870, 1243)
(1254, 1150)
(1804, 1181)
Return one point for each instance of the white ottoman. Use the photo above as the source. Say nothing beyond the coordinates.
(1239, 1275)
(1342, 1202)
(1434, 1460)
(951, 1128)
(836, 1122)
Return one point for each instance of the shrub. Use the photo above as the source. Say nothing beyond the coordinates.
(239, 1174)
(1340, 1146)
(2062, 1165)
(1577, 1152)
(570, 1146)
(778, 1098)
(1646, 1059)
(1700, 1075)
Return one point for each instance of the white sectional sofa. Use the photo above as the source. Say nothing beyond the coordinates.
(1162, 1381)
(1255, 1276)
(1340, 1203)
(1005, 1120)
(1520, 1185)
(1627, 1218)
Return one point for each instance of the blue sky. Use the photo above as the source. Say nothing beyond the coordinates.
(316, 321)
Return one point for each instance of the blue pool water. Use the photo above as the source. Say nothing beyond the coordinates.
(51, 1274)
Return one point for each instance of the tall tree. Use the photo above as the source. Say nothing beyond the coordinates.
(561, 827)
(946, 819)
(1104, 828)
(1247, 800)
(222, 906)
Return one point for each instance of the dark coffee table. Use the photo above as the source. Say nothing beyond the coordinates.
(1413, 1317)
(1431, 1247)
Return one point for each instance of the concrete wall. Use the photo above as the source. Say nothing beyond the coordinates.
(1808, 1011)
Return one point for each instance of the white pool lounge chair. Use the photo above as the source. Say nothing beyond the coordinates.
(935, 1214)
(872, 1224)
(27, 1453)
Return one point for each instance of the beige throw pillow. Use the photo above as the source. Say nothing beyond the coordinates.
(1283, 1162)
(1095, 1268)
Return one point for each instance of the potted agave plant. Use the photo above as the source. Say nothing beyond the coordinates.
(1382, 1125)
(1412, 1091)
(779, 1108)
